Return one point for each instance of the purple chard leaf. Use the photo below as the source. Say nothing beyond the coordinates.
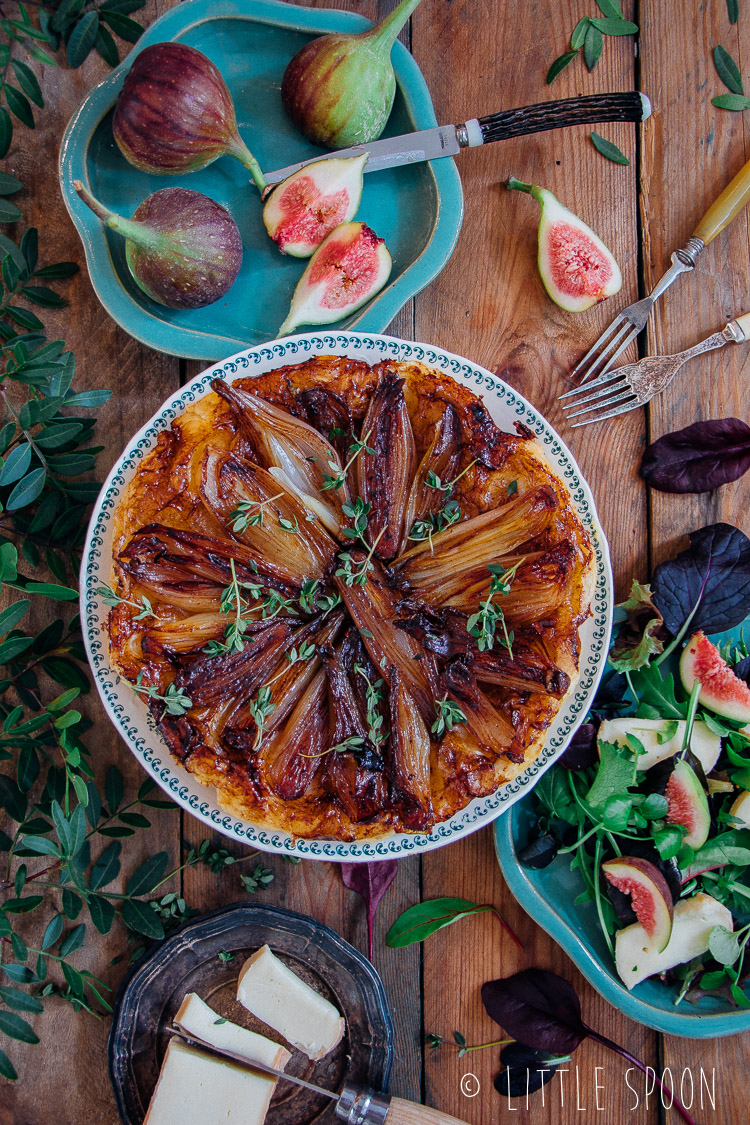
(699, 458)
(710, 580)
(537, 1008)
(370, 881)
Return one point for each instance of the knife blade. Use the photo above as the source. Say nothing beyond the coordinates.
(355, 1105)
(449, 140)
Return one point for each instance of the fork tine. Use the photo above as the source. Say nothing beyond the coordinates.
(610, 414)
(600, 380)
(629, 393)
(609, 389)
(607, 353)
(597, 345)
(628, 339)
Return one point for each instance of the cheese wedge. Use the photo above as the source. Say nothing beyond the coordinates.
(196, 1018)
(276, 995)
(195, 1089)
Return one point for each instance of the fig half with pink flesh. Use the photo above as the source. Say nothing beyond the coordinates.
(688, 804)
(305, 207)
(649, 893)
(721, 691)
(349, 267)
(576, 267)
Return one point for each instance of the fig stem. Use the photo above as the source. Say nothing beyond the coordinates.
(241, 152)
(385, 33)
(137, 232)
(518, 185)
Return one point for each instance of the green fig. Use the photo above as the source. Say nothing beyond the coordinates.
(576, 267)
(339, 89)
(183, 249)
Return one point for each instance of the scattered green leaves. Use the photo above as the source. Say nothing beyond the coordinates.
(608, 149)
(589, 34)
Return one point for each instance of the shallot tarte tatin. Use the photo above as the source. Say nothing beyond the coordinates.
(352, 601)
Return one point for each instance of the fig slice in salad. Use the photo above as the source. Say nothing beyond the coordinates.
(688, 804)
(721, 690)
(649, 894)
(694, 919)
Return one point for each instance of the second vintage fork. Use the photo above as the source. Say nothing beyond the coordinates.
(617, 392)
(632, 320)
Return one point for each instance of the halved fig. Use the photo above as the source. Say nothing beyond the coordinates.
(688, 804)
(649, 894)
(349, 267)
(576, 267)
(305, 207)
(721, 691)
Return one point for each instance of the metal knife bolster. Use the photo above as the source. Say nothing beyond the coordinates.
(359, 1106)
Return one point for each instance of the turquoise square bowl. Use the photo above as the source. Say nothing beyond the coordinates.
(417, 208)
(548, 895)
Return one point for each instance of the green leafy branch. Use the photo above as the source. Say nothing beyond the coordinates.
(76, 26)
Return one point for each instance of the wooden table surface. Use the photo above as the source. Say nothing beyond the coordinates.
(478, 56)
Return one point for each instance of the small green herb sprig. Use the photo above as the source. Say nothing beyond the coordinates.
(313, 599)
(483, 624)
(250, 513)
(447, 715)
(588, 35)
(143, 605)
(176, 701)
(337, 477)
(373, 701)
(235, 600)
(262, 707)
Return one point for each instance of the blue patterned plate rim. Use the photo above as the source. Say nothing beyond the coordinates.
(694, 1024)
(190, 343)
(128, 712)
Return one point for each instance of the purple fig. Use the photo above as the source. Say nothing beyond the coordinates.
(339, 89)
(304, 208)
(183, 249)
(350, 266)
(576, 267)
(175, 114)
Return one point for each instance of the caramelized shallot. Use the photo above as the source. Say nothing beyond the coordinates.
(384, 477)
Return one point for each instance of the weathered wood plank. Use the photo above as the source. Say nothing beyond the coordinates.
(65, 1078)
(692, 152)
(489, 304)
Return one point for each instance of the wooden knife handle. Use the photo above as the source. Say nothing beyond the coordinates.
(729, 204)
(409, 1113)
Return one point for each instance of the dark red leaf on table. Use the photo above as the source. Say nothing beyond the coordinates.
(370, 881)
(699, 458)
(537, 1008)
(710, 579)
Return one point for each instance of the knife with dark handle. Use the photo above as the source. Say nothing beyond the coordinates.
(449, 140)
(355, 1105)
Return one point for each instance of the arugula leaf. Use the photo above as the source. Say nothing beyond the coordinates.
(657, 691)
(636, 642)
(614, 776)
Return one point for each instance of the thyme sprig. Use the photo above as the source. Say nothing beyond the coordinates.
(483, 624)
(109, 597)
(338, 478)
(432, 480)
(312, 601)
(423, 529)
(354, 573)
(249, 513)
(358, 511)
(176, 701)
(263, 706)
(373, 700)
(234, 601)
(448, 714)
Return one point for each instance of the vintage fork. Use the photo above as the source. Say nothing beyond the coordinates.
(632, 320)
(617, 392)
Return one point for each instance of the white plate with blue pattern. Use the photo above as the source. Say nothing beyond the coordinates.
(129, 713)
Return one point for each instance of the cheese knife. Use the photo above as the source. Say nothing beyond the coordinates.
(356, 1105)
(449, 140)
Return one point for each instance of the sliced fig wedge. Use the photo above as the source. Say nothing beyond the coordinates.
(649, 893)
(576, 267)
(349, 267)
(305, 207)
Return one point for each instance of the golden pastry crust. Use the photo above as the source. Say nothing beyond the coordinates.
(320, 716)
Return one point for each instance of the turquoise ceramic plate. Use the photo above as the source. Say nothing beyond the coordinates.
(548, 895)
(417, 209)
(130, 714)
